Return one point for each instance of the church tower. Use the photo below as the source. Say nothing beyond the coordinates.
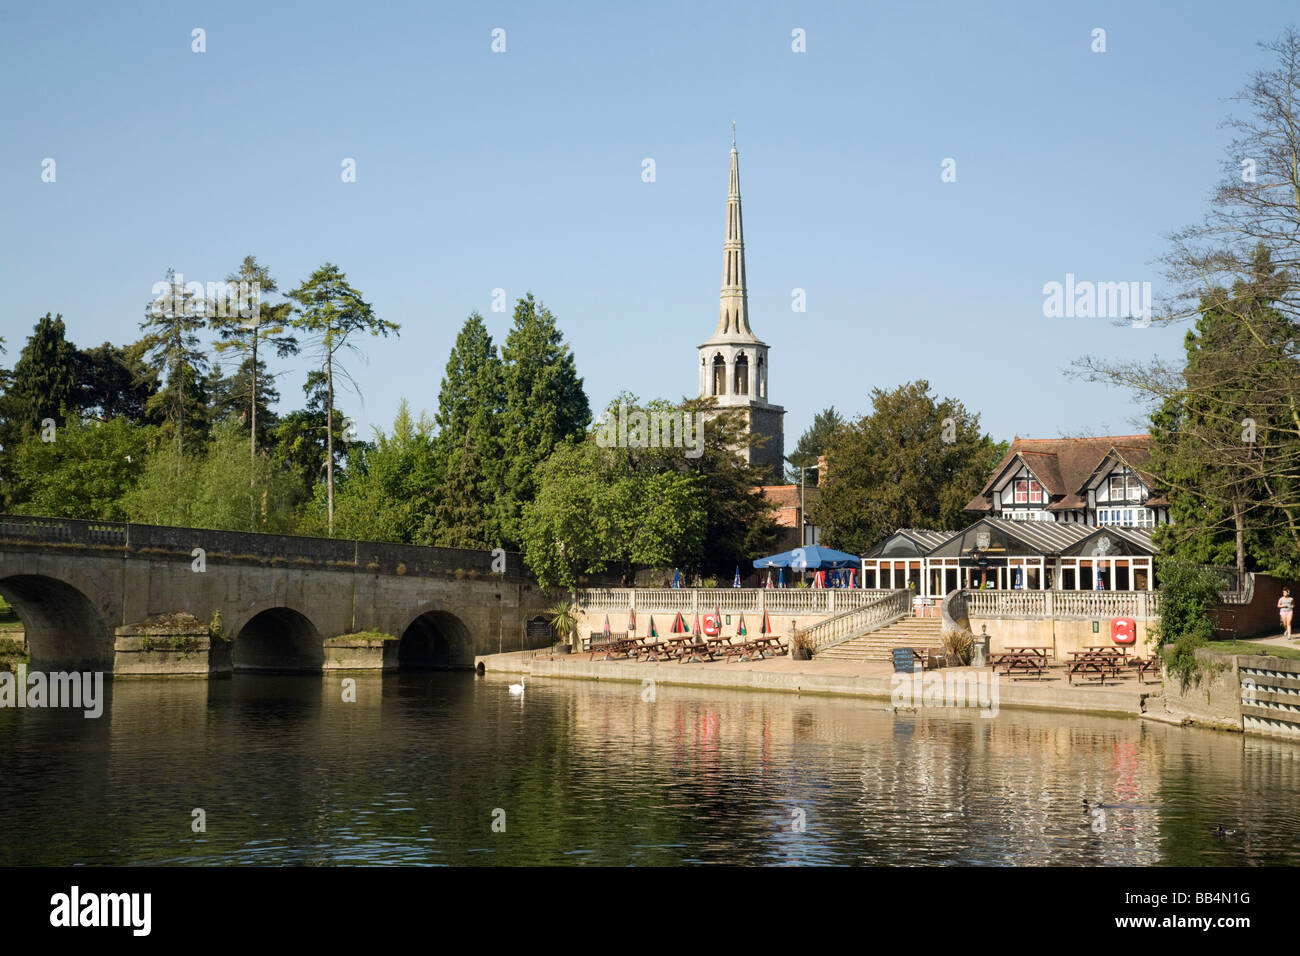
(733, 362)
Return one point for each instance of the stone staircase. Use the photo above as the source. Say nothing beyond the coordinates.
(922, 633)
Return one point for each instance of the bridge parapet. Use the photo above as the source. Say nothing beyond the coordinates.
(377, 556)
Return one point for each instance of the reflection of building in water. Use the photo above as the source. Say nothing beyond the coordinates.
(928, 787)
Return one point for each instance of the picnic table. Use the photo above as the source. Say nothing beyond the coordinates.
(693, 650)
(747, 649)
(1095, 663)
(1022, 660)
(649, 649)
(623, 646)
(1146, 665)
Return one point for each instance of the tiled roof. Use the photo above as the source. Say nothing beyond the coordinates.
(1065, 465)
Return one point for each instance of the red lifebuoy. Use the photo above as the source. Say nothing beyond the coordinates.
(1123, 630)
(712, 625)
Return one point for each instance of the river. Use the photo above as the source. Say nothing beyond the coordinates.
(448, 768)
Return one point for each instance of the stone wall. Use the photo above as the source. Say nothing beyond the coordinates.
(1256, 694)
(1063, 636)
(1212, 701)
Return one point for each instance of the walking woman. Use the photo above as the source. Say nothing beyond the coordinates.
(1285, 605)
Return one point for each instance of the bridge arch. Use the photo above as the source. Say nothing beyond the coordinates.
(278, 639)
(64, 628)
(435, 639)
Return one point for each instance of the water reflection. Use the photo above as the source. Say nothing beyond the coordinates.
(587, 773)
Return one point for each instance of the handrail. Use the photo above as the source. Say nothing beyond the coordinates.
(886, 609)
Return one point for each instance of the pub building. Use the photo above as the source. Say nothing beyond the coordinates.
(1009, 555)
(1072, 514)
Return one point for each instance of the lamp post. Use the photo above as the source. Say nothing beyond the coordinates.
(803, 515)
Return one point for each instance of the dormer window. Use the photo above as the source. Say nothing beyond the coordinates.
(1124, 487)
(1028, 491)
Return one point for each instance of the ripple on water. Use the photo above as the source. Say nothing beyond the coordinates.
(590, 774)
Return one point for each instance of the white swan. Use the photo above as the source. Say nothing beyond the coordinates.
(518, 688)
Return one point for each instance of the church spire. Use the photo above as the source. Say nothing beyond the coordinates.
(733, 307)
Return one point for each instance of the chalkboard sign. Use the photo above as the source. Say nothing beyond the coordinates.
(904, 660)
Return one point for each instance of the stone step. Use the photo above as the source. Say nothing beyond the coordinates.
(924, 634)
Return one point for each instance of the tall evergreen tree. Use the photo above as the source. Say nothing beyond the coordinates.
(471, 463)
(332, 313)
(266, 330)
(1222, 447)
(544, 404)
(43, 383)
(171, 347)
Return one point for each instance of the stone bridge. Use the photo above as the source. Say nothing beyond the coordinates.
(139, 599)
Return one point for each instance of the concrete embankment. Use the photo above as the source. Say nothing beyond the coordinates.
(869, 680)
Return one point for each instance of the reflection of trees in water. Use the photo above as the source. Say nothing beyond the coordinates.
(412, 771)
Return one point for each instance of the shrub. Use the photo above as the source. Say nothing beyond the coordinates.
(1187, 592)
(959, 646)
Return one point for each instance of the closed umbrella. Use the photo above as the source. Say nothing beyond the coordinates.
(605, 632)
(740, 627)
(736, 582)
(767, 624)
(679, 624)
(631, 620)
(1019, 581)
(677, 581)
(780, 577)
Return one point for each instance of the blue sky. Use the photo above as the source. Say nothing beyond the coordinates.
(522, 170)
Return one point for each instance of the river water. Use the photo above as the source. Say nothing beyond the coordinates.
(448, 768)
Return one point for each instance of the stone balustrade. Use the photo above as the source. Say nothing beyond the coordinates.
(885, 608)
(726, 600)
(1062, 605)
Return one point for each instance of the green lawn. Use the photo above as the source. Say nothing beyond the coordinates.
(1250, 647)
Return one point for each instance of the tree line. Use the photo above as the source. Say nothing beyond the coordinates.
(159, 431)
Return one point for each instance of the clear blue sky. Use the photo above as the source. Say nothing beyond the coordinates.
(522, 170)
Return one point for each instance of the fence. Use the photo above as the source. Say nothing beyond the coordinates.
(748, 600)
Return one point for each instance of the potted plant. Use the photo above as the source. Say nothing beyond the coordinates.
(564, 625)
(800, 647)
